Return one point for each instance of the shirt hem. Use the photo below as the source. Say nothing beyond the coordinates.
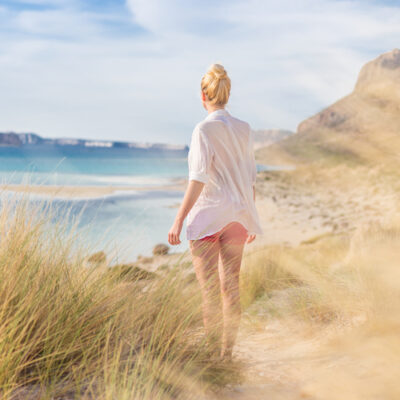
(212, 233)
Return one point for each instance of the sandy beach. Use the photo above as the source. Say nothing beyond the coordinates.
(292, 213)
(69, 191)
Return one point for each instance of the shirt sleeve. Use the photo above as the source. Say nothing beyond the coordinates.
(199, 156)
(253, 167)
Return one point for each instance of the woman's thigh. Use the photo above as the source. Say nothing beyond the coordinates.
(205, 255)
(232, 241)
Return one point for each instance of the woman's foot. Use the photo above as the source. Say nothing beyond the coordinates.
(225, 355)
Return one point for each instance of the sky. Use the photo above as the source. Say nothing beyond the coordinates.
(131, 70)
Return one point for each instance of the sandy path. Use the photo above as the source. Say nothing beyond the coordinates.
(280, 359)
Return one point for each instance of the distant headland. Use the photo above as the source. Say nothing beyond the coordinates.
(33, 140)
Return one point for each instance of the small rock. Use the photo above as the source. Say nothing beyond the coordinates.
(160, 249)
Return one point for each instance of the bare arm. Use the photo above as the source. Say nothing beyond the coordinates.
(254, 192)
(191, 195)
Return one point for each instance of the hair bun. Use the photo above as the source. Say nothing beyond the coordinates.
(218, 71)
(216, 84)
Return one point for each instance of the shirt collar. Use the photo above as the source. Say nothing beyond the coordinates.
(219, 111)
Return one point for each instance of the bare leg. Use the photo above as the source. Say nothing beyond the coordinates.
(232, 242)
(205, 256)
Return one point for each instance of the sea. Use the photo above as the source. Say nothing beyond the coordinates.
(124, 224)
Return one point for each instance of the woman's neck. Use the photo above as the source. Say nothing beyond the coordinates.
(211, 109)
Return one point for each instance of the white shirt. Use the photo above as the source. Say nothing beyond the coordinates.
(221, 155)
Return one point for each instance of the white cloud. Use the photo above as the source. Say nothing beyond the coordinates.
(178, 16)
(64, 73)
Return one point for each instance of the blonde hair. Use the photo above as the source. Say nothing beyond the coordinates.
(216, 85)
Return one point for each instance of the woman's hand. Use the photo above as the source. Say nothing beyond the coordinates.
(174, 232)
(250, 238)
(193, 191)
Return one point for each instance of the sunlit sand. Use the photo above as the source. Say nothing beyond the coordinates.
(69, 192)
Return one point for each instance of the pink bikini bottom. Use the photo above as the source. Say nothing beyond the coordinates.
(234, 232)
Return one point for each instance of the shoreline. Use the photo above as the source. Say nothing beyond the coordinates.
(87, 191)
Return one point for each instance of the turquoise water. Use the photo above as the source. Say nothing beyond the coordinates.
(98, 168)
(124, 224)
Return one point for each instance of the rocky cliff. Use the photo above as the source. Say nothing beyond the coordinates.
(363, 127)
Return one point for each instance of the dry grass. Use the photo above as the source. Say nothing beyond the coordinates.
(69, 329)
(350, 282)
(369, 298)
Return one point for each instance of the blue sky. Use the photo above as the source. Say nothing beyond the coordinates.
(131, 70)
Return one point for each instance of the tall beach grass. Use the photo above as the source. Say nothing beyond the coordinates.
(72, 328)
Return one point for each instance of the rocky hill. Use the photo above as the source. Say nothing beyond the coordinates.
(361, 128)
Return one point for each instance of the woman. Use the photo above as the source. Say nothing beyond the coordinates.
(220, 205)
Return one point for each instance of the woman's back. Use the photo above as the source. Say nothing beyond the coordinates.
(221, 155)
